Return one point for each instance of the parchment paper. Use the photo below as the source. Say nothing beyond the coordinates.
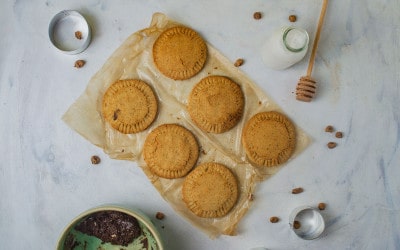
(133, 59)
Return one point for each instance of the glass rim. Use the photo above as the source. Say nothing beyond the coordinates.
(287, 30)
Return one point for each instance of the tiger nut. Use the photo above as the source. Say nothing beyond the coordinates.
(292, 18)
(78, 35)
(257, 15)
(239, 62)
(79, 63)
(329, 129)
(274, 219)
(297, 190)
(296, 224)
(321, 206)
(95, 159)
(339, 134)
(160, 216)
(331, 144)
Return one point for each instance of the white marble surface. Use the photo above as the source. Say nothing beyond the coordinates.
(46, 177)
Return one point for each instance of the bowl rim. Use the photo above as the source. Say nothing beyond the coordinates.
(134, 212)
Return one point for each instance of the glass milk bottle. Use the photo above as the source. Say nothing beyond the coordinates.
(285, 47)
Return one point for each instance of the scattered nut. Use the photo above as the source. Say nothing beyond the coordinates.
(296, 224)
(292, 18)
(239, 62)
(274, 219)
(297, 190)
(331, 144)
(257, 15)
(321, 206)
(160, 216)
(78, 35)
(339, 134)
(95, 159)
(79, 63)
(329, 129)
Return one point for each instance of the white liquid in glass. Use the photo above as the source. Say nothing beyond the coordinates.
(285, 47)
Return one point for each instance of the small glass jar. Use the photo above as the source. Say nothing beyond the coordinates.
(285, 47)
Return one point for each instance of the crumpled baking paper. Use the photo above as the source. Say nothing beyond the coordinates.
(133, 59)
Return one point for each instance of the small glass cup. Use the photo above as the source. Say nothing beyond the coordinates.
(285, 47)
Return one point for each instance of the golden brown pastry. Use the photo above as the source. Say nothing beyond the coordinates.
(179, 53)
(130, 106)
(216, 104)
(170, 151)
(269, 138)
(210, 190)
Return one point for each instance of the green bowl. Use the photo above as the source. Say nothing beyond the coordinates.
(72, 239)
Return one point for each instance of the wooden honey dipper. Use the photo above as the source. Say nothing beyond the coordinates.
(307, 86)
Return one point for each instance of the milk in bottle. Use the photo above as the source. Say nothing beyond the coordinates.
(285, 47)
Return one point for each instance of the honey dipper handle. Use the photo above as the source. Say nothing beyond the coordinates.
(317, 35)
